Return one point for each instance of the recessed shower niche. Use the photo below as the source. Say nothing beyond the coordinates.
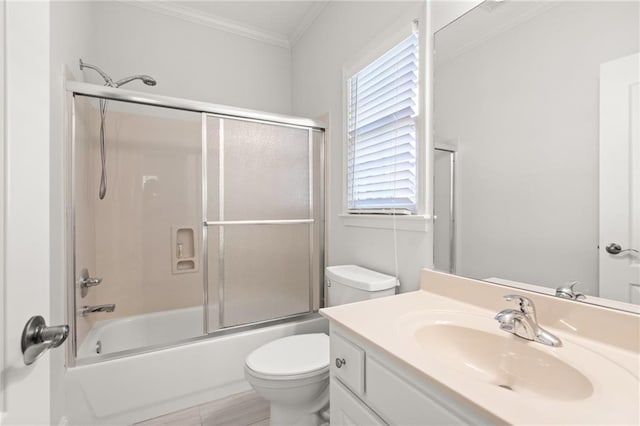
(185, 249)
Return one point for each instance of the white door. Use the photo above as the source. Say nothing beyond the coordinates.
(620, 179)
(25, 391)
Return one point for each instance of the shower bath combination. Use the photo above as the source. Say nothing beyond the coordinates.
(146, 79)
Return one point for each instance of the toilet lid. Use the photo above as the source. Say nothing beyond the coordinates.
(292, 355)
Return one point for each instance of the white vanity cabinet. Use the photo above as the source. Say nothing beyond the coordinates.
(369, 387)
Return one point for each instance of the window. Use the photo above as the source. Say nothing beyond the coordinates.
(382, 116)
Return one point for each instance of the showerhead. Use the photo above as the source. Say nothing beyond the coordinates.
(146, 79)
(149, 81)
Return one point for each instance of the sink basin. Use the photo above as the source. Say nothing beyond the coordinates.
(505, 361)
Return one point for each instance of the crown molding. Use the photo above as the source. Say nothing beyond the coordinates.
(175, 10)
(308, 19)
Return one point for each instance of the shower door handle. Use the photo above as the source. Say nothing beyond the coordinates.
(37, 337)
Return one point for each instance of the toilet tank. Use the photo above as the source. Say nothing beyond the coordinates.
(351, 283)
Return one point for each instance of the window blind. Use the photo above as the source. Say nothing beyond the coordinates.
(382, 112)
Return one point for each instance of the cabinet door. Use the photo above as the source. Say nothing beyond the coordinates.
(348, 410)
(347, 363)
(400, 402)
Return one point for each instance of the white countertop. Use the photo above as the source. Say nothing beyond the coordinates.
(391, 323)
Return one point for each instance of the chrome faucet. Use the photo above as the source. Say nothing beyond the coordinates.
(86, 310)
(566, 291)
(523, 322)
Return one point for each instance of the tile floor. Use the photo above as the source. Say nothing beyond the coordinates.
(244, 409)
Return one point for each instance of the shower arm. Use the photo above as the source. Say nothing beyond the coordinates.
(108, 81)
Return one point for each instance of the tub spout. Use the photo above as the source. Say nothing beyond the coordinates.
(86, 310)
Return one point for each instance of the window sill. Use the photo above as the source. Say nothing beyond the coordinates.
(414, 223)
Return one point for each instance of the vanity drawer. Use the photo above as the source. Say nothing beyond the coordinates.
(395, 398)
(347, 363)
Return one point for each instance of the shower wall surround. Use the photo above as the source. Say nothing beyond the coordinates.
(153, 169)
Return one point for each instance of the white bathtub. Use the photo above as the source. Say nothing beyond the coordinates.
(155, 329)
(130, 389)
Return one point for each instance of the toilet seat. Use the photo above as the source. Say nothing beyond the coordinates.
(300, 356)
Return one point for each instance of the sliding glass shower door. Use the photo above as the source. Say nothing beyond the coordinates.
(262, 221)
(210, 221)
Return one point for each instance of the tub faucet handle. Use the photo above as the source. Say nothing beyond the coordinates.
(87, 281)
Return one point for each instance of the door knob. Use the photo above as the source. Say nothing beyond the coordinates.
(37, 337)
(615, 248)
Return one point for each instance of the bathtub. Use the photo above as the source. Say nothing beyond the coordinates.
(139, 331)
(138, 387)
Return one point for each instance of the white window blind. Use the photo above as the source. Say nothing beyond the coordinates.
(383, 107)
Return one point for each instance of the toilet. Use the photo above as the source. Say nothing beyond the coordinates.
(292, 373)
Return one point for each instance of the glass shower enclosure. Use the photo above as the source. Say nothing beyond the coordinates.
(212, 221)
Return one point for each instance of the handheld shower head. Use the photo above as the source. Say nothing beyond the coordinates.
(146, 79)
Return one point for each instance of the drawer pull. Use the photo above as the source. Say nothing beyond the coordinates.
(340, 362)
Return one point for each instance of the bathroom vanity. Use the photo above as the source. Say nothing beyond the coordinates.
(437, 356)
(370, 387)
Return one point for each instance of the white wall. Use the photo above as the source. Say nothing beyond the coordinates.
(526, 118)
(335, 39)
(188, 60)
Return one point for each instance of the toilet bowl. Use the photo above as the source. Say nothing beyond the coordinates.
(292, 373)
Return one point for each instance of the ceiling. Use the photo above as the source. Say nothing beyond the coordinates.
(281, 23)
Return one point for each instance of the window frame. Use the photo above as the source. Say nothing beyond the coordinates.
(385, 218)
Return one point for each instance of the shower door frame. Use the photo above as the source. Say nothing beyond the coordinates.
(221, 223)
(206, 110)
(452, 206)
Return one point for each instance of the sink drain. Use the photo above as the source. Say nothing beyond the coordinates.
(507, 387)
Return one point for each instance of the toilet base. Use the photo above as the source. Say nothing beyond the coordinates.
(300, 415)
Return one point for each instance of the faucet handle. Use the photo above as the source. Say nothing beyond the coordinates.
(526, 304)
(566, 291)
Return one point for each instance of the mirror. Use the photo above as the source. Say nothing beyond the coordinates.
(538, 104)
